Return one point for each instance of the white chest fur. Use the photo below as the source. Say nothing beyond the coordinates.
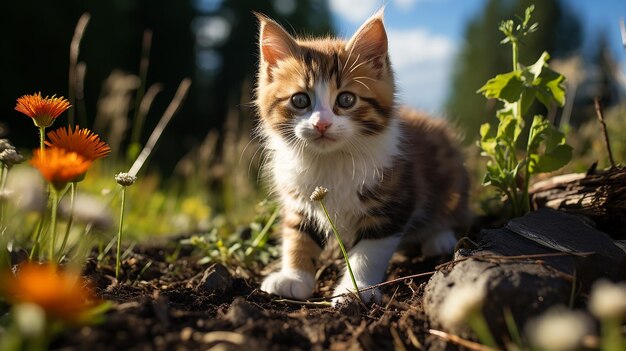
(345, 173)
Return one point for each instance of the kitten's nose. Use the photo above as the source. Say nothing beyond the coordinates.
(321, 123)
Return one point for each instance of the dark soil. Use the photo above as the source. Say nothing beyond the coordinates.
(166, 304)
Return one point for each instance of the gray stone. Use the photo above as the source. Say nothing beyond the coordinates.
(527, 285)
(215, 279)
(241, 311)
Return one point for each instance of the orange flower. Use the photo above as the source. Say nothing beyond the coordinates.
(81, 141)
(60, 294)
(59, 166)
(43, 111)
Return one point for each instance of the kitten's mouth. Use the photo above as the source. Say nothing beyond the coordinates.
(324, 138)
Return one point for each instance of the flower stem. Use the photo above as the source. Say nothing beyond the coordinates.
(53, 222)
(4, 171)
(523, 204)
(119, 234)
(35, 249)
(70, 220)
(479, 325)
(343, 249)
(42, 139)
(611, 335)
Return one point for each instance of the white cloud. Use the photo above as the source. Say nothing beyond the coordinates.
(422, 62)
(405, 4)
(355, 11)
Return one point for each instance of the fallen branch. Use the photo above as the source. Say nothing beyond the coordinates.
(599, 195)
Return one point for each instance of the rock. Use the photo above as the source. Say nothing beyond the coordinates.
(241, 311)
(527, 286)
(567, 233)
(215, 279)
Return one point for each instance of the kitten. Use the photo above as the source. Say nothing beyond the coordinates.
(328, 118)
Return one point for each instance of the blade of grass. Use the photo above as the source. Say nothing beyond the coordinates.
(171, 110)
(261, 239)
(81, 25)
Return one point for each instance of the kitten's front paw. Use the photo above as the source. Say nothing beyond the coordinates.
(291, 284)
(345, 289)
(439, 244)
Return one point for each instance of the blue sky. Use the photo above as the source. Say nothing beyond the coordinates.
(425, 35)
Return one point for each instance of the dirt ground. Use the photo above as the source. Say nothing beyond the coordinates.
(180, 305)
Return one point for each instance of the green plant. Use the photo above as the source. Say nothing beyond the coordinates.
(224, 244)
(124, 180)
(545, 149)
(318, 195)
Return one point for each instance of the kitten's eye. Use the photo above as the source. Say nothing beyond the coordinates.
(300, 100)
(346, 100)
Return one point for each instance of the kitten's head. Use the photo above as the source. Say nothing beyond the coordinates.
(325, 94)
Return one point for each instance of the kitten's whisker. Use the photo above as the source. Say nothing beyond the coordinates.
(246, 147)
(252, 159)
(356, 60)
(363, 84)
(359, 65)
(366, 77)
(350, 55)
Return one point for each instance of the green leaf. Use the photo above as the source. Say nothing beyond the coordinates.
(507, 87)
(536, 133)
(508, 128)
(528, 97)
(556, 152)
(527, 15)
(547, 83)
(551, 161)
(494, 176)
(537, 67)
(550, 84)
(485, 128)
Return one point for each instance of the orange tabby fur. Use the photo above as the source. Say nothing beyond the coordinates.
(391, 171)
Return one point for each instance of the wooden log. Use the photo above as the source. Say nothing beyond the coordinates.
(599, 195)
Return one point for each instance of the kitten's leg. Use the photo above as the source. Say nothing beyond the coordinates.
(437, 242)
(296, 279)
(369, 259)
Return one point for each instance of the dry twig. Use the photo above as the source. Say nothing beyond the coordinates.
(460, 341)
(604, 131)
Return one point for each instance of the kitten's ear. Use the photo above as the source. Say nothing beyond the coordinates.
(274, 41)
(371, 39)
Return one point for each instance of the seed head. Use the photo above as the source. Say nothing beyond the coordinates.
(460, 304)
(608, 300)
(559, 329)
(6, 194)
(11, 157)
(125, 179)
(319, 193)
(5, 144)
